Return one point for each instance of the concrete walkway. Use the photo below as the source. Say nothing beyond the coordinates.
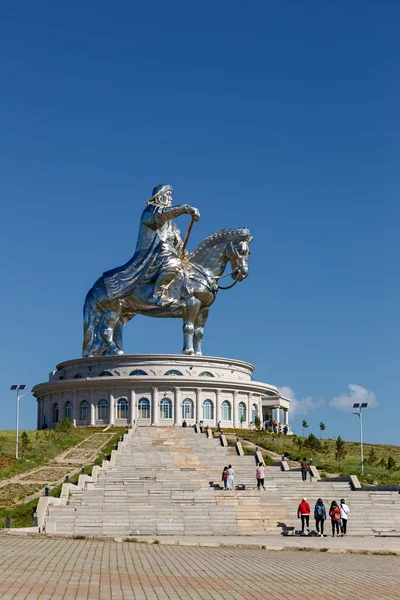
(55, 569)
(349, 544)
(275, 542)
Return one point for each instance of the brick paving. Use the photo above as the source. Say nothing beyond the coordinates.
(65, 569)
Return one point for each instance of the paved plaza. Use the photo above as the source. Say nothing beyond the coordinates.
(58, 569)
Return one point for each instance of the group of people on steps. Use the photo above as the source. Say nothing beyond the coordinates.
(338, 515)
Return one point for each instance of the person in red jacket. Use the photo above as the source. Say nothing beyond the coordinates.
(303, 512)
(334, 513)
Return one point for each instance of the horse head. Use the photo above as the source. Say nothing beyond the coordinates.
(237, 252)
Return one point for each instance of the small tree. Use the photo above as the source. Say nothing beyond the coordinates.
(341, 450)
(299, 442)
(313, 443)
(63, 429)
(257, 422)
(391, 466)
(371, 456)
(304, 425)
(382, 463)
(25, 444)
(322, 427)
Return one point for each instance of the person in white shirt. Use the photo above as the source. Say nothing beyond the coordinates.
(344, 513)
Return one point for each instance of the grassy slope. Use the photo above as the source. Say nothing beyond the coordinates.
(49, 446)
(44, 446)
(325, 461)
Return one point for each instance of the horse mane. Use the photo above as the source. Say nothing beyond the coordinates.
(225, 235)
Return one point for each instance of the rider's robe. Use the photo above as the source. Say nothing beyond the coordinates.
(157, 247)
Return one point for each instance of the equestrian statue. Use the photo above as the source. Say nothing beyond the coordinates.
(162, 279)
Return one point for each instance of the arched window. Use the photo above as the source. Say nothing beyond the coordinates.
(122, 408)
(68, 411)
(242, 412)
(187, 409)
(206, 374)
(143, 409)
(208, 410)
(106, 374)
(103, 410)
(78, 376)
(84, 411)
(226, 412)
(165, 409)
(173, 372)
(55, 413)
(137, 373)
(254, 412)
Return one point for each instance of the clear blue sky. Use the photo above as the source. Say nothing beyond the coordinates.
(280, 116)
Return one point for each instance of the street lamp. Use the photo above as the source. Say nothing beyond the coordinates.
(358, 412)
(19, 388)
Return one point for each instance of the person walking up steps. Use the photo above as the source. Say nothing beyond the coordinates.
(334, 513)
(344, 514)
(304, 469)
(320, 516)
(304, 511)
(260, 475)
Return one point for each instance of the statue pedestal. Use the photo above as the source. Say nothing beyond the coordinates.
(155, 389)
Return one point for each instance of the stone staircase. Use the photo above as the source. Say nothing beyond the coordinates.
(167, 481)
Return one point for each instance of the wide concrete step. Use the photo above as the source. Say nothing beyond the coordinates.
(167, 481)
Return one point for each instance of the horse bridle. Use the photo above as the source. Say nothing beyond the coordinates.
(220, 287)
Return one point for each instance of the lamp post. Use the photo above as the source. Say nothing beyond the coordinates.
(358, 412)
(19, 388)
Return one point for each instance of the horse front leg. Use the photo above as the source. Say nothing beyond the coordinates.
(199, 330)
(190, 310)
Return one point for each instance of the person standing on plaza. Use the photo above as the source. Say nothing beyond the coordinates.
(230, 483)
(201, 425)
(344, 514)
(334, 513)
(304, 469)
(303, 512)
(260, 475)
(320, 516)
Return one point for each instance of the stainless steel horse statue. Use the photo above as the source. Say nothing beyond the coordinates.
(162, 280)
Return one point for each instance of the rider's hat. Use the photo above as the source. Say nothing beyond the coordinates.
(159, 189)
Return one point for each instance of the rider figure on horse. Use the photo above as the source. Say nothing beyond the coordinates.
(157, 256)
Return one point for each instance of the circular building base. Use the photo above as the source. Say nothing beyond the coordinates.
(155, 389)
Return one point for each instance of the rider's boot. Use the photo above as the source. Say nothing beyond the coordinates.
(161, 287)
(158, 297)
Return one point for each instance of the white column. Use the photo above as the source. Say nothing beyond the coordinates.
(133, 407)
(234, 410)
(286, 416)
(277, 414)
(199, 415)
(92, 410)
(250, 403)
(39, 408)
(155, 409)
(75, 407)
(217, 406)
(111, 419)
(177, 407)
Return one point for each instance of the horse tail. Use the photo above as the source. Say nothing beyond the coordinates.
(90, 317)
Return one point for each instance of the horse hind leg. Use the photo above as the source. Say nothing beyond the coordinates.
(199, 330)
(91, 320)
(111, 319)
